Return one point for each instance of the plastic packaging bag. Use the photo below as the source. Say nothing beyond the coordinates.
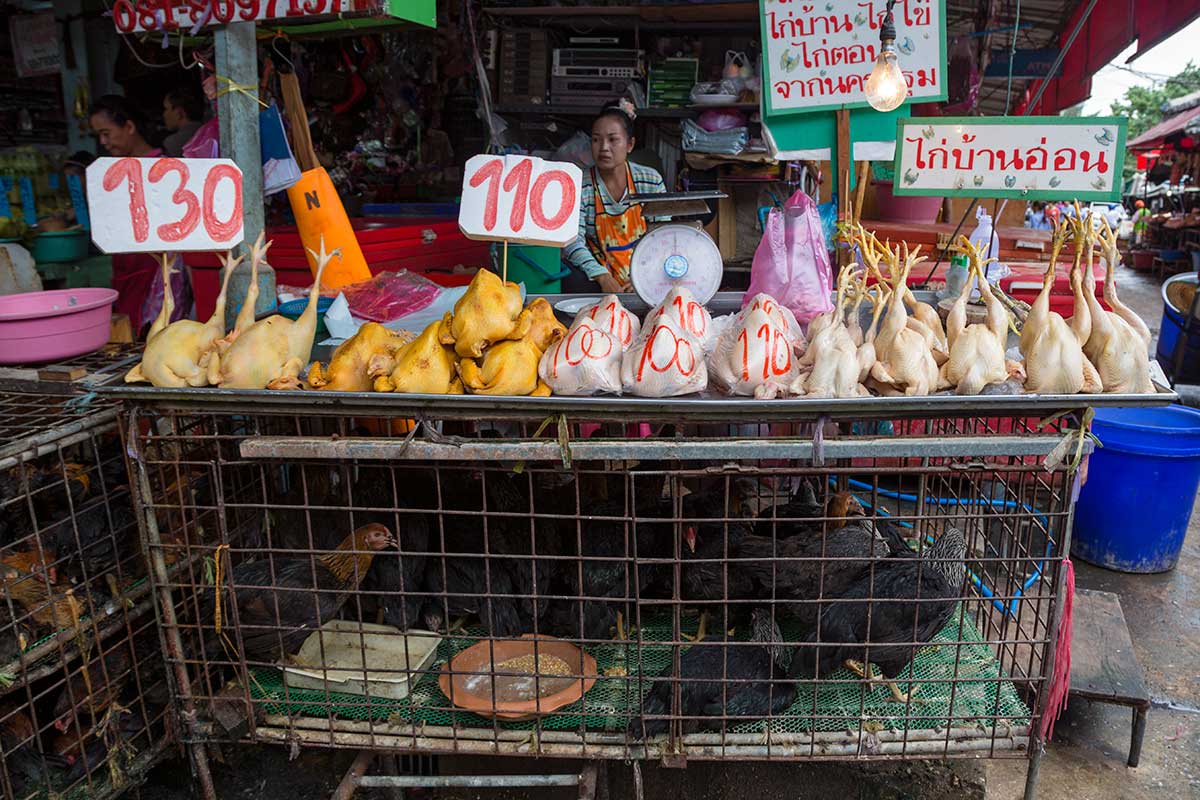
(577, 150)
(611, 317)
(791, 263)
(721, 119)
(387, 296)
(205, 142)
(697, 140)
(681, 306)
(665, 361)
(586, 361)
(754, 357)
(779, 314)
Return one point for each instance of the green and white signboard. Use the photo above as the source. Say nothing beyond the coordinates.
(1025, 158)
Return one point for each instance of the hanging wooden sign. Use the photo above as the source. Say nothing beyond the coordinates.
(151, 205)
(818, 55)
(1030, 158)
(520, 199)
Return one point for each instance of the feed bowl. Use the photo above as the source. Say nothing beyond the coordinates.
(468, 679)
(51, 326)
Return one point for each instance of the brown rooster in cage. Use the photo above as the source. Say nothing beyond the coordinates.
(280, 600)
(44, 605)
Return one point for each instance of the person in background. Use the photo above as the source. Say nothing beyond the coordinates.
(610, 226)
(1035, 216)
(1141, 218)
(137, 277)
(183, 114)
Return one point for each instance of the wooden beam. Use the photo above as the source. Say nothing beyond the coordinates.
(842, 173)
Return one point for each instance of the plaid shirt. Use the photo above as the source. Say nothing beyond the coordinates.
(645, 181)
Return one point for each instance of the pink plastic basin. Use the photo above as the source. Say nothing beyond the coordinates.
(51, 326)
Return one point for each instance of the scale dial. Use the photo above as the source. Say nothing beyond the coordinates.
(676, 255)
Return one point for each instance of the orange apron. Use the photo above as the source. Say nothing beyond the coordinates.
(616, 234)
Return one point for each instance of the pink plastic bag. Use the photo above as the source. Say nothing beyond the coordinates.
(205, 142)
(791, 263)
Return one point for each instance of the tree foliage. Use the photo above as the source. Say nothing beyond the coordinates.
(1141, 104)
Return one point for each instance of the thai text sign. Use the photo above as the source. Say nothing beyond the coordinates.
(132, 16)
(819, 54)
(1033, 158)
(145, 205)
(520, 199)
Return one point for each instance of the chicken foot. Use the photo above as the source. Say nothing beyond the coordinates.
(868, 673)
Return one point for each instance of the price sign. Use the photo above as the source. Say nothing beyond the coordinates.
(133, 16)
(520, 199)
(140, 205)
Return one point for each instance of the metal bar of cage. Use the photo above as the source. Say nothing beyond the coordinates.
(83, 708)
(281, 489)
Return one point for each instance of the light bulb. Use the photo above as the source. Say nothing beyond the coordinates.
(886, 88)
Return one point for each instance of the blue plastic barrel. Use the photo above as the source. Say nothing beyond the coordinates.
(1169, 332)
(1133, 512)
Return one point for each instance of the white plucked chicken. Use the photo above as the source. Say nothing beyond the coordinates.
(755, 356)
(665, 361)
(586, 361)
(610, 316)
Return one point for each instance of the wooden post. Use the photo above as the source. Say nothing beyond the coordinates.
(237, 60)
(842, 175)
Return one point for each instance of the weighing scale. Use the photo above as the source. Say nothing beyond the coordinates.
(676, 254)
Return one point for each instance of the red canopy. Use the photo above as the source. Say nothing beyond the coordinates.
(1157, 136)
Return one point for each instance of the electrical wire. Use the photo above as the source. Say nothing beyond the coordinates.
(1012, 54)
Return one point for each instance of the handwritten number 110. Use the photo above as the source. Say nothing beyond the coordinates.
(524, 199)
(196, 210)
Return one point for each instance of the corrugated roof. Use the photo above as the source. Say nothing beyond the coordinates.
(1155, 137)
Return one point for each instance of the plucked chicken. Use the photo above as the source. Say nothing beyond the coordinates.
(691, 317)
(781, 314)
(507, 368)
(754, 357)
(270, 353)
(976, 351)
(489, 312)
(610, 316)
(832, 355)
(734, 684)
(665, 361)
(1053, 350)
(905, 364)
(177, 355)
(348, 367)
(423, 366)
(878, 295)
(1116, 347)
(585, 362)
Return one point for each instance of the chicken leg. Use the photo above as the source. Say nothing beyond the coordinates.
(1112, 255)
(868, 672)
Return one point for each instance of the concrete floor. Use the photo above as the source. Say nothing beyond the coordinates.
(1085, 762)
(1087, 759)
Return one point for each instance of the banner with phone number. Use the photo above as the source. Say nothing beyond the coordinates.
(133, 16)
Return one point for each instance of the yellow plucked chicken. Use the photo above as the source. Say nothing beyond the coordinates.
(177, 354)
(270, 353)
(423, 366)
(544, 328)
(347, 369)
(976, 351)
(489, 311)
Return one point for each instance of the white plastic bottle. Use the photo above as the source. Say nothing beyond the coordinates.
(984, 237)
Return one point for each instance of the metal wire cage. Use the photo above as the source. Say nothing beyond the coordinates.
(552, 579)
(83, 702)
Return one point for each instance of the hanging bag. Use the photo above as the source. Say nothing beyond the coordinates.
(791, 263)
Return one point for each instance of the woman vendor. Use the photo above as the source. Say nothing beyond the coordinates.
(137, 277)
(609, 225)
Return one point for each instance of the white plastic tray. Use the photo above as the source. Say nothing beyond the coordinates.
(361, 658)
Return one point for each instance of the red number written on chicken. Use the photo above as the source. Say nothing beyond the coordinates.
(775, 344)
(682, 346)
(618, 321)
(580, 344)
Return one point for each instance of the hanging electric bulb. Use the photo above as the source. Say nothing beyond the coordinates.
(886, 88)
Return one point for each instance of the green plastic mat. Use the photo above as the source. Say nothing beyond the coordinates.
(607, 706)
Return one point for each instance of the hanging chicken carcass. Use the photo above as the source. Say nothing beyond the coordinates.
(610, 316)
(665, 361)
(586, 361)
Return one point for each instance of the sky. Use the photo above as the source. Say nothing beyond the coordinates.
(1167, 58)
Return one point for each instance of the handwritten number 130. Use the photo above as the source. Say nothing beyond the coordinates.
(195, 209)
(524, 198)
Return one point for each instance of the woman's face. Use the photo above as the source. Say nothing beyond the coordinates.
(611, 145)
(117, 140)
